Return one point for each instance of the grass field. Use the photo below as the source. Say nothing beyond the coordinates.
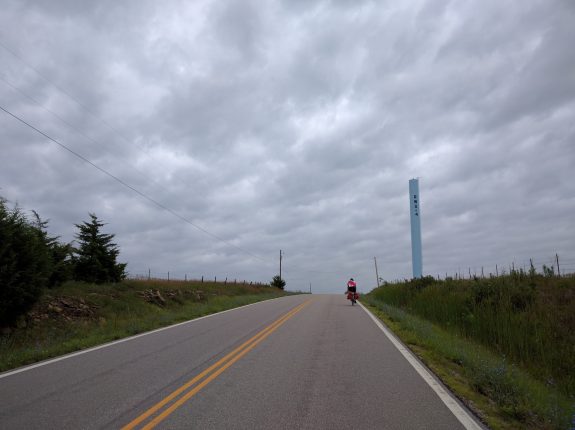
(511, 338)
(76, 315)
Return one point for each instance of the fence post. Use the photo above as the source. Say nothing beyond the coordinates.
(202, 279)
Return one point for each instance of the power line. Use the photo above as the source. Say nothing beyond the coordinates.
(110, 127)
(309, 271)
(80, 133)
(79, 103)
(121, 136)
(63, 91)
(125, 184)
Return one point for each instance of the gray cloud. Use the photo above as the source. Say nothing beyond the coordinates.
(296, 125)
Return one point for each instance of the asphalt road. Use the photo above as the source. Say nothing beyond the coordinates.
(299, 362)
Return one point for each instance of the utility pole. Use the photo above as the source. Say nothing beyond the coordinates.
(376, 272)
(280, 264)
(558, 271)
(310, 287)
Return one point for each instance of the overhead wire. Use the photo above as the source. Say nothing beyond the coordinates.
(85, 108)
(311, 271)
(120, 135)
(63, 91)
(81, 105)
(125, 184)
(80, 133)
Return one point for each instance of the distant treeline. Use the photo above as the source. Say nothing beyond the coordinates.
(31, 260)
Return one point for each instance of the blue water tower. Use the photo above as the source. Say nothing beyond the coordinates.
(415, 211)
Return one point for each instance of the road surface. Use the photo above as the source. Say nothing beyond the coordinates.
(299, 362)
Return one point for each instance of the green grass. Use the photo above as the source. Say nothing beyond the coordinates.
(506, 342)
(102, 313)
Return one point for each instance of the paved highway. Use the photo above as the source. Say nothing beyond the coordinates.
(299, 362)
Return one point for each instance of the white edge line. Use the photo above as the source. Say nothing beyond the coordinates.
(126, 339)
(461, 414)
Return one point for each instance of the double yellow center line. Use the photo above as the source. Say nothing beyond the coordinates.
(169, 404)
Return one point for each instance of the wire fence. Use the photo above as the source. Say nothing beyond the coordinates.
(179, 277)
(554, 266)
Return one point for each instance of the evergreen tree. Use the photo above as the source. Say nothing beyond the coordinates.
(95, 258)
(61, 254)
(25, 264)
(278, 282)
(62, 262)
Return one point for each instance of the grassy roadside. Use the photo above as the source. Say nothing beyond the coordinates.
(76, 316)
(501, 394)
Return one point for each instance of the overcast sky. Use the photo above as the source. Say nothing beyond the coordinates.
(296, 125)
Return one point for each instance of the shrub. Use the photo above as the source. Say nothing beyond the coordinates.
(278, 282)
(423, 282)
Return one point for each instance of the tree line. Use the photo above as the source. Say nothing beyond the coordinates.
(31, 260)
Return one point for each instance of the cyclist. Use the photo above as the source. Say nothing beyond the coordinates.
(352, 291)
(351, 286)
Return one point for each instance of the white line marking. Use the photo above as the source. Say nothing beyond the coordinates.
(461, 414)
(126, 339)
